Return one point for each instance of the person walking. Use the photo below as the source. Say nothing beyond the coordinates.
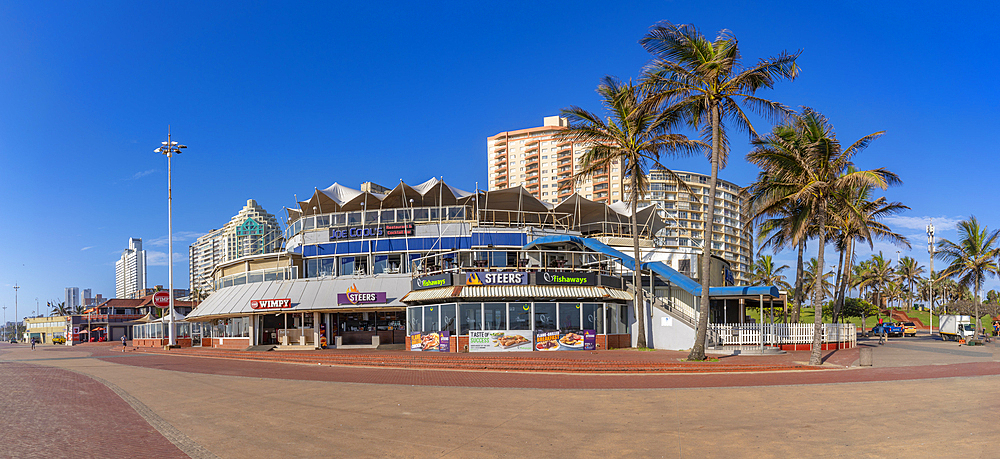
(32, 343)
(123, 343)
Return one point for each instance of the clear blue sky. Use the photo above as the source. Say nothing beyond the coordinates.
(275, 99)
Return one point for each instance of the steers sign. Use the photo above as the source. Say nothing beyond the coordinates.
(353, 296)
(280, 303)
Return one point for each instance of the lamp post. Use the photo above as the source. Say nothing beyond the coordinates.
(169, 148)
(16, 287)
(930, 250)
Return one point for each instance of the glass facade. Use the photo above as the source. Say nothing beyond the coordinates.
(516, 316)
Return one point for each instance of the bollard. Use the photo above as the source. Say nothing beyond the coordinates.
(866, 357)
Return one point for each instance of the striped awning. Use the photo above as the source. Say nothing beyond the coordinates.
(482, 292)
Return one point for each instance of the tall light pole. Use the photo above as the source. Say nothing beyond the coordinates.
(169, 148)
(930, 250)
(15, 312)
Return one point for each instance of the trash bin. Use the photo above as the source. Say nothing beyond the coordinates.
(866, 356)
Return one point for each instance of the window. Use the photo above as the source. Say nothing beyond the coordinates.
(494, 316)
(520, 316)
(470, 317)
(431, 319)
(545, 316)
(569, 316)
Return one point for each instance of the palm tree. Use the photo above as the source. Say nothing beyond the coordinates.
(706, 83)
(635, 134)
(878, 273)
(971, 258)
(58, 309)
(811, 270)
(803, 162)
(767, 274)
(909, 271)
(780, 232)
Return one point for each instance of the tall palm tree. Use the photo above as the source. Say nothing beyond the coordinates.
(878, 273)
(58, 309)
(635, 134)
(766, 273)
(971, 258)
(909, 271)
(780, 232)
(812, 282)
(805, 163)
(706, 82)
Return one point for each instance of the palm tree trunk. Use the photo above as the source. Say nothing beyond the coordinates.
(815, 358)
(836, 291)
(640, 304)
(799, 273)
(698, 350)
(848, 262)
(975, 322)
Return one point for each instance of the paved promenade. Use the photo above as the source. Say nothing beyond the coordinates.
(940, 399)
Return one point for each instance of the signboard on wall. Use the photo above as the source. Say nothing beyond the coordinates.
(567, 340)
(399, 229)
(278, 303)
(496, 278)
(500, 340)
(337, 234)
(440, 280)
(431, 342)
(353, 296)
(565, 278)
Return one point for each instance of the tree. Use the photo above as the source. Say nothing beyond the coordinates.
(803, 162)
(971, 258)
(811, 271)
(58, 309)
(706, 83)
(767, 274)
(909, 271)
(779, 232)
(856, 307)
(635, 134)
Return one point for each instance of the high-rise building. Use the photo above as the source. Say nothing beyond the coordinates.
(130, 270)
(537, 159)
(87, 298)
(252, 231)
(682, 209)
(72, 297)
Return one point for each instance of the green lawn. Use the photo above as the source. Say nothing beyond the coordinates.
(808, 316)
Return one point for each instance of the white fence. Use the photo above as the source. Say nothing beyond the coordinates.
(749, 334)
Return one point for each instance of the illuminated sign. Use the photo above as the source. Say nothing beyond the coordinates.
(440, 280)
(352, 233)
(489, 278)
(280, 303)
(353, 296)
(399, 229)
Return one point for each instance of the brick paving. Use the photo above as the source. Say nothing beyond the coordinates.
(50, 412)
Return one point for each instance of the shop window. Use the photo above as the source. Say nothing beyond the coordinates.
(470, 317)
(432, 319)
(414, 320)
(371, 217)
(353, 218)
(519, 316)
(403, 215)
(495, 316)
(593, 317)
(322, 221)
(545, 316)
(388, 216)
(569, 316)
(421, 215)
(448, 317)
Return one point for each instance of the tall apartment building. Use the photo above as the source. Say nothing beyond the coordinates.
(683, 212)
(87, 297)
(130, 270)
(538, 160)
(252, 231)
(72, 297)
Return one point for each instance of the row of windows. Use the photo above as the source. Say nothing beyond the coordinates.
(459, 318)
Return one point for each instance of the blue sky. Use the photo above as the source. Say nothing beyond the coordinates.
(275, 99)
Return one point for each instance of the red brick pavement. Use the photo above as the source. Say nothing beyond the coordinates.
(280, 369)
(50, 412)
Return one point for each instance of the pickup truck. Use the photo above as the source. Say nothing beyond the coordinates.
(891, 329)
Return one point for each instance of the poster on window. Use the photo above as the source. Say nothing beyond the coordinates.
(499, 340)
(566, 340)
(431, 342)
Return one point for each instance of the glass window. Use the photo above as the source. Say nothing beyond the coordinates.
(381, 264)
(371, 217)
(338, 219)
(456, 213)
(495, 316)
(388, 216)
(421, 215)
(569, 316)
(432, 320)
(545, 316)
(256, 276)
(435, 213)
(448, 317)
(346, 266)
(310, 223)
(322, 221)
(471, 317)
(328, 266)
(403, 215)
(520, 316)
(354, 218)
(414, 320)
(611, 309)
(240, 279)
(593, 317)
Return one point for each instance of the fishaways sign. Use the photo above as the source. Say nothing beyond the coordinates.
(565, 278)
(440, 280)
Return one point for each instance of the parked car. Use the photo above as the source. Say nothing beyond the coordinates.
(58, 340)
(909, 329)
(891, 329)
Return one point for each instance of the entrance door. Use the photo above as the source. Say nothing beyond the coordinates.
(196, 334)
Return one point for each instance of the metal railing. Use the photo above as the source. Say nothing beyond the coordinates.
(515, 260)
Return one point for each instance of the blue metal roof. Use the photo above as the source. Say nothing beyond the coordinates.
(663, 270)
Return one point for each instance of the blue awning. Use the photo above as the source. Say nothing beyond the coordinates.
(724, 292)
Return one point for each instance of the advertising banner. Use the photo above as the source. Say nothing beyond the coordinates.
(431, 342)
(499, 341)
(489, 278)
(561, 278)
(566, 340)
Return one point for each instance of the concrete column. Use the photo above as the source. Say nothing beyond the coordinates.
(253, 330)
(316, 317)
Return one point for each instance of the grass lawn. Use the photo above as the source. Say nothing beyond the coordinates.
(808, 316)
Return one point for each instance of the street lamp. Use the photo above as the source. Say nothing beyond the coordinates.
(169, 148)
(15, 312)
(930, 250)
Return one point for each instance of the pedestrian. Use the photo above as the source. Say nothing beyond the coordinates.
(123, 343)
(32, 343)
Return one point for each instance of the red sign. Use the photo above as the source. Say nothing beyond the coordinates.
(280, 303)
(161, 299)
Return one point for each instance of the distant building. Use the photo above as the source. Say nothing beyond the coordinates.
(130, 270)
(72, 297)
(252, 231)
(538, 160)
(86, 297)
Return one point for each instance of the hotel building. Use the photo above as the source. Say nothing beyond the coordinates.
(252, 231)
(130, 270)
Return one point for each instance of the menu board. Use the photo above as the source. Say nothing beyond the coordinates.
(566, 340)
(500, 340)
(431, 341)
